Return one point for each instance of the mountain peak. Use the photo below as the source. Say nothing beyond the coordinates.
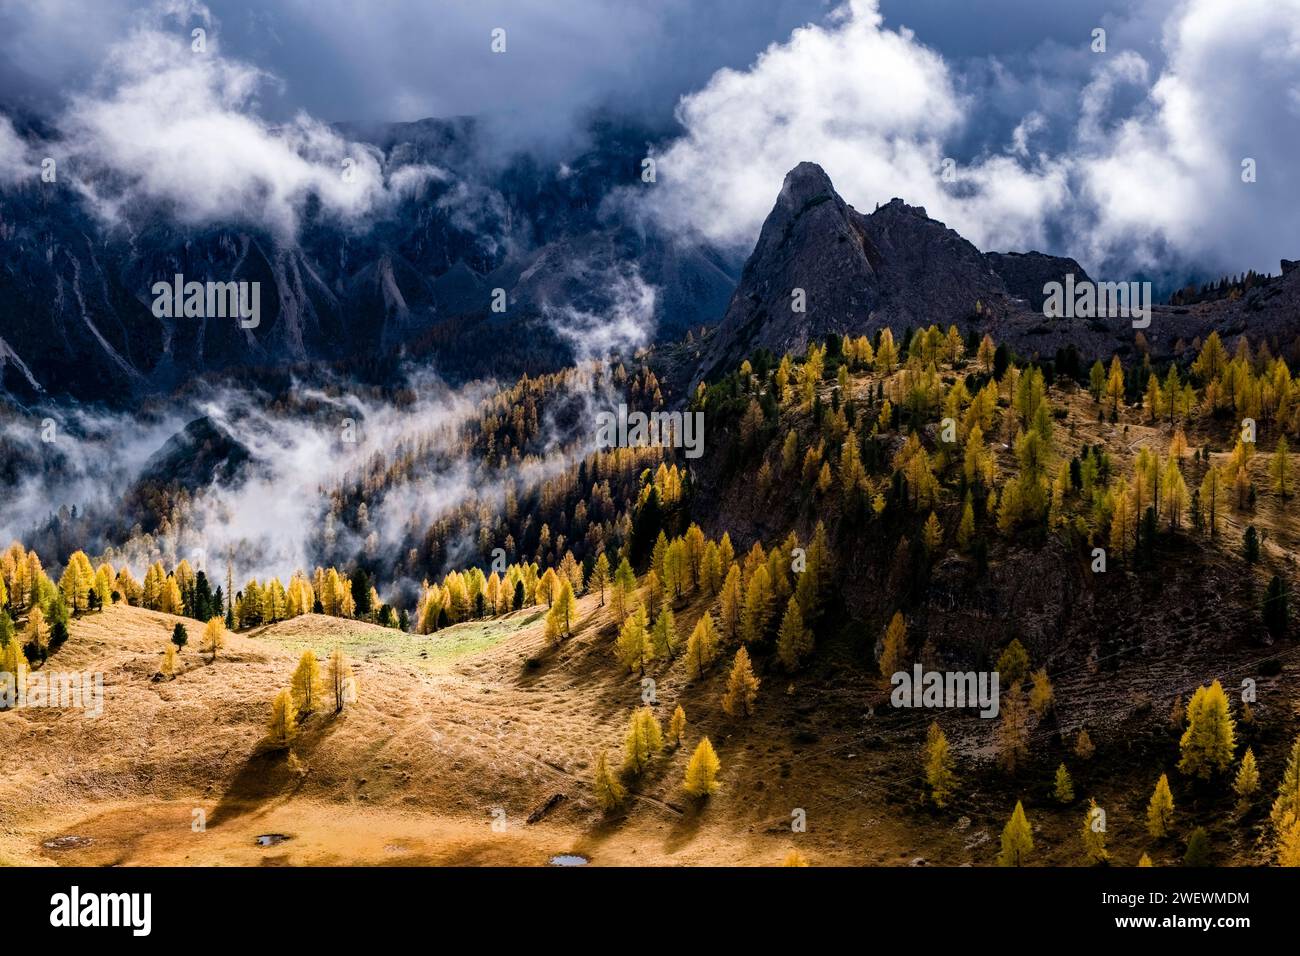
(820, 267)
(804, 183)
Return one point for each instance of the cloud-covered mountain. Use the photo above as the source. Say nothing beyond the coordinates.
(76, 288)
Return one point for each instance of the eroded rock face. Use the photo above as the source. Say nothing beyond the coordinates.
(897, 267)
(1026, 273)
(75, 293)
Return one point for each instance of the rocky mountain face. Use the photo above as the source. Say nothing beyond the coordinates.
(75, 296)
(899, 268)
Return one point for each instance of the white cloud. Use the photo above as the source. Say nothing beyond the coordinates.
(17, 162)
(623, 324)
(167, 125)
(1157, 187)
(872, 106)
(1169, 177)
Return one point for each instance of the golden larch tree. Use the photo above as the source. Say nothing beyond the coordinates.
(214, 638)
(701, 647)
(677, 726)
(644, 739)
(1083, 747)
(1286, 808)
(633, 646)
(742, 687)
(1208, 742)
(1063, 790)
(1013, 731)
(1093, 834)
(283, 726)
(305, 685)
(702, 771)
(1017, 839)
(1160, 811)
(1041, 695)
(610, 793)
(341, 680)
(794, 641)
(168, 667)
(1247, 781)
(938, 762)
(893, 654)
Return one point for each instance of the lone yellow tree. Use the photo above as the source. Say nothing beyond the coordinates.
(1041, 695)
(939, 776)
(633, 646)
(1064, 789)
(283, 725)
(559, 619)
(610, 793)
(1017, 839)
(701, 647)
(214, 638)
(1094, 834)
(677, 726)
(305, 685)
(600, 577)
(168, 667)
(702, 771)
(1160, 811)
(644, 739)
(893, 654)
(1210, 738)
(1280, 468)
(341, 681)
(1247, 781)
(1013, 663)
(1083, 746)
(794, 642)
(742, 687)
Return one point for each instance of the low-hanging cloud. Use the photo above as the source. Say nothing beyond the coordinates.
(273, 515)
(623, 322)
(171, 122)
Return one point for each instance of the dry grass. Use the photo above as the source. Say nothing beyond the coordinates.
(484, 716)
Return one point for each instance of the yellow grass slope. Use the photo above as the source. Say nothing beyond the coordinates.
(443, 759)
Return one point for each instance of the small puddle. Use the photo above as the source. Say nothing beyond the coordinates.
(68, 842)
(271, 839)
(568, 859)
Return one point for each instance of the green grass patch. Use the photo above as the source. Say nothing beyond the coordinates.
(432, 651)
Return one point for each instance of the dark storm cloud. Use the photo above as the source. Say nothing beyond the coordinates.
(411, 59)
(1128, 160)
